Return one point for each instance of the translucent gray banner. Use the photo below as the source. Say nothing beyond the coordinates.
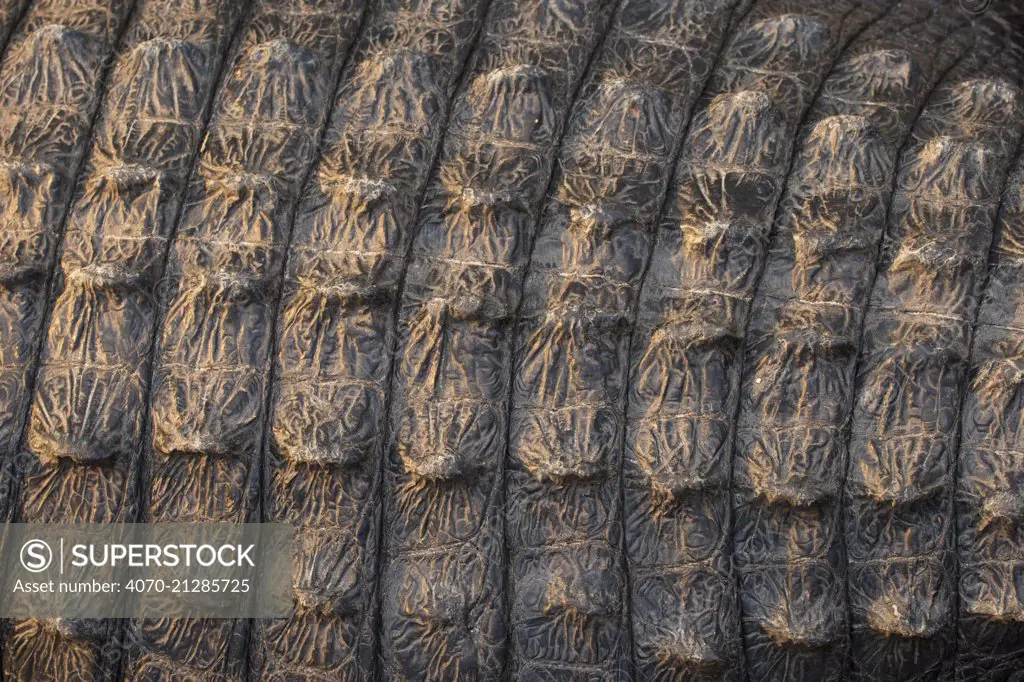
(172, 570)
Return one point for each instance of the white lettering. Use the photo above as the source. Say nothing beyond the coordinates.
(211, 560)
(244, 556)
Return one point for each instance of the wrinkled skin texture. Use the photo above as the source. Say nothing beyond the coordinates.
(577, 339)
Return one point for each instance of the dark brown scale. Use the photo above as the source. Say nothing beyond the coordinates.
(10, 13)
(84, 430)
(352, 233)
(563, 521)
(686, 354)
(50, 90)
(989, 490)
(586, 339)
(912, 372)
(443, 608)
(220, 297)
(990, 644)
(804, 336)
(48, 94)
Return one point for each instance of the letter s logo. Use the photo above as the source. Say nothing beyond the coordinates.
(36, 556)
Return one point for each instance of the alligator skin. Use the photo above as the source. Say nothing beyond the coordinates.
(804, 337)
(10, 14)
(219, 297)
(563, 521)
(84, 431)
(912, 371)
(989, 498)
(442, 566)
(49, 93)
(578, 339)
(686, 354)
(51, 79)
(349, 248)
